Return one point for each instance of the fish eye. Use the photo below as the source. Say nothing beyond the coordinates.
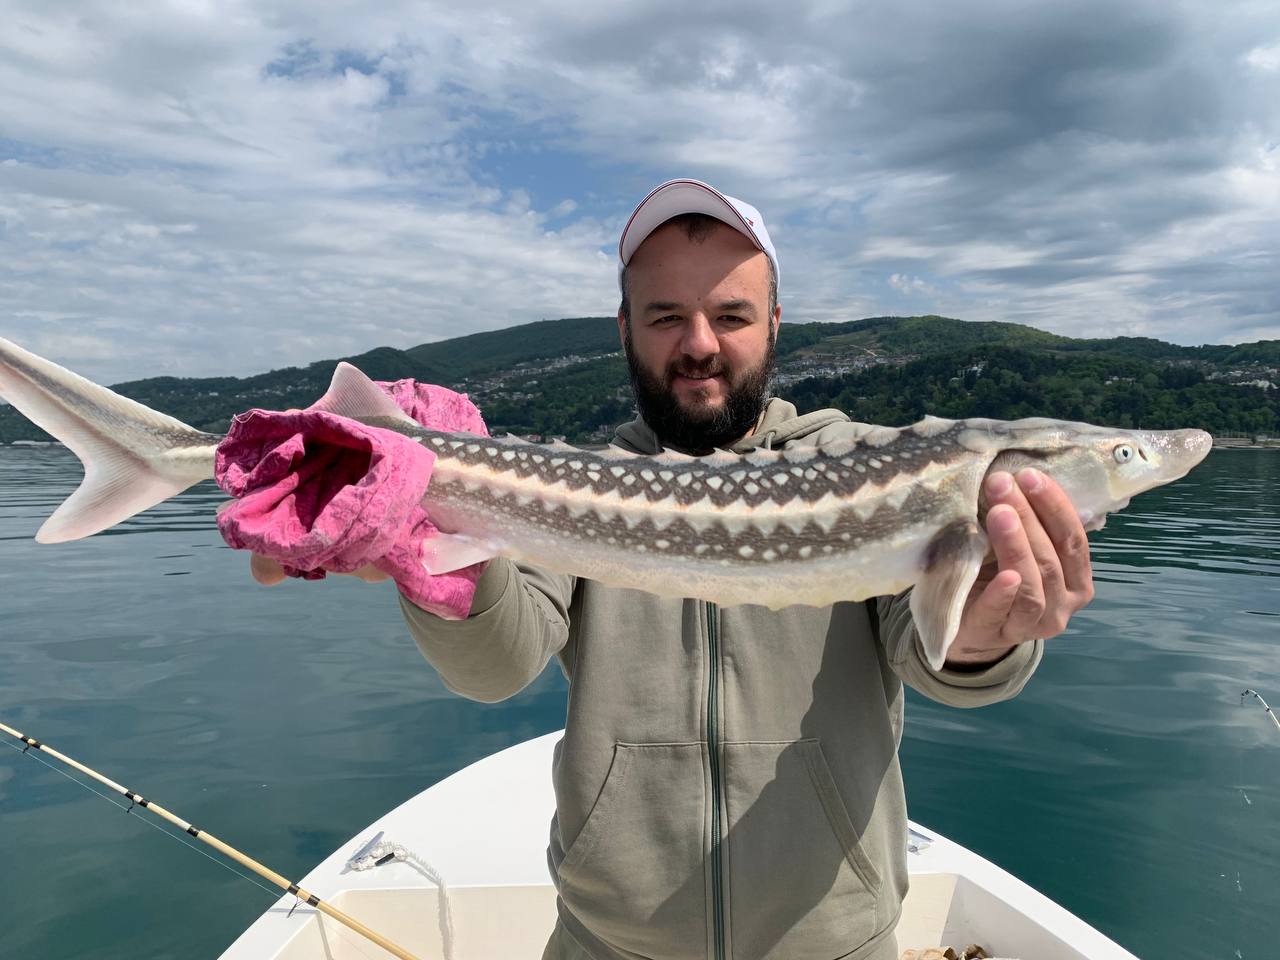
(1123, 453)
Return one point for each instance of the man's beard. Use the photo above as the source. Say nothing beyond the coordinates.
(701, 428)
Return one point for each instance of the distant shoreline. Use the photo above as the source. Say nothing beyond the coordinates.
(1245, 445)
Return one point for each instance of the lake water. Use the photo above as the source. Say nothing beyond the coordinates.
(1128, 781)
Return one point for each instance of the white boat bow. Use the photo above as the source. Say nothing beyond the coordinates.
(484, 829)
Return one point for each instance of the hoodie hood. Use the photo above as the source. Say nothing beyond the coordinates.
(779, 425)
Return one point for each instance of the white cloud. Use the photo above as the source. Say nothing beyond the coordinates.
(230, 187)
(908, 285)
(1266, 59)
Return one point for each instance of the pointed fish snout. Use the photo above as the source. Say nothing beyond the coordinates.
(1189, 446)
(1180, 450)
(1198, 444)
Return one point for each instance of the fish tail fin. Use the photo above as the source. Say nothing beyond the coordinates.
(133, 457)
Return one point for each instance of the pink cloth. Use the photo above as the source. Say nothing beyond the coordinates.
(316, 492)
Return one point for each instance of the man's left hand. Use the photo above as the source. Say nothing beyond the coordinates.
(1040, 577)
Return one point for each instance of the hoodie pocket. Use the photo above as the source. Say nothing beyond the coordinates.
(634, 876)
(800, 884)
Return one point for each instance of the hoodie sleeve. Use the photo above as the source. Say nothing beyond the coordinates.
(1002, 680)
(519, 621)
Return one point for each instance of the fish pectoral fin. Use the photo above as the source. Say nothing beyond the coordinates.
(952, 561)
(353, 395)
(446, 552)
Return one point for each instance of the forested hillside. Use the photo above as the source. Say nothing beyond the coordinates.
(568, 378)
(1008, 383)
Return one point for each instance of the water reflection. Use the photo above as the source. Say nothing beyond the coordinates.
(1127, 781)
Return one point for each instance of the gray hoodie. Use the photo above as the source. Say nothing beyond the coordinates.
(728, 782)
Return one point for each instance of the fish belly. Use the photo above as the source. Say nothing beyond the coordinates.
(772, 570)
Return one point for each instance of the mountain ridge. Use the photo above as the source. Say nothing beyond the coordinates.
(567, 376)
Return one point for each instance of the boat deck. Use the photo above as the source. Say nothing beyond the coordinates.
(485, 830)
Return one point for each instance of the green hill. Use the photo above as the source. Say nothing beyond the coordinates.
(898, 336)
(478, 354)
(1008, 383)
(568, 378)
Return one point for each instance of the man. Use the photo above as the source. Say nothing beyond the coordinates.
(728, 783)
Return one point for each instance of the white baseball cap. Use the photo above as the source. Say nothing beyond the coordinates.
(675, 197)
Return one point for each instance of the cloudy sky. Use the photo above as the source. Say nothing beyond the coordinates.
(219, 187)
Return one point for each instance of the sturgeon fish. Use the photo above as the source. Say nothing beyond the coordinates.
(886, 509)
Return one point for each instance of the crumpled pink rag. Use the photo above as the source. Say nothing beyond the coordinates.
(316, 492)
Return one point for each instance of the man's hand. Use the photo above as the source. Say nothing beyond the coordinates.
(1041, 575)
(269, 572)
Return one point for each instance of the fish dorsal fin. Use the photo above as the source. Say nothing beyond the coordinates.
(952, 561)
(351, 394)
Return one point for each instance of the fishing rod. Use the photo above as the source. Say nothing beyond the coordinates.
(1266, 706)
(223, 848)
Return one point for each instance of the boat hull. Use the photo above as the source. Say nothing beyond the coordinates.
(484, 830)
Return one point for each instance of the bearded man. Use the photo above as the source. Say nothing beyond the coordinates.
(728, 782)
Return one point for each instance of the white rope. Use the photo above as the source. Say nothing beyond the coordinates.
(382, 851)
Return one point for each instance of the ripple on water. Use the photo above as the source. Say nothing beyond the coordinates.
(1114, 782)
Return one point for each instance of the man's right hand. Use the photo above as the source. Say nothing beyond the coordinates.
(269, 572)
(320, 491)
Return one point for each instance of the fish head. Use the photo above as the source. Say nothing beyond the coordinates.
(1101, 468)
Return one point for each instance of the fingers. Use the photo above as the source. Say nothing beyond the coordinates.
(1014, 554)
(1043, 574)
(1020, 544)
(370, 574)
(269, 572)
(1062, 525)
(266, 571)
(1034, 530)
(989, 609)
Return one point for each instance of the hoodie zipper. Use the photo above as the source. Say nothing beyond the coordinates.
(713, 752)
